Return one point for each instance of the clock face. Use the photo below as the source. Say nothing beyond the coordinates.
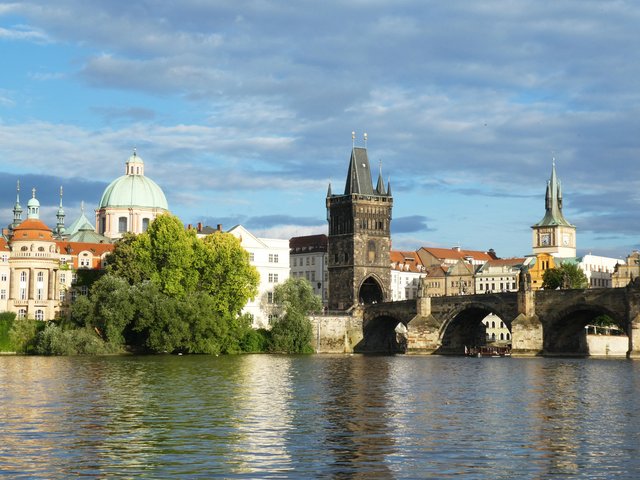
(545, 239)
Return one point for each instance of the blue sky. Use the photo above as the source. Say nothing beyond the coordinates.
(243, 111)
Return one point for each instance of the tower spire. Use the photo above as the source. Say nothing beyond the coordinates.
(60, 216)
(17, 209)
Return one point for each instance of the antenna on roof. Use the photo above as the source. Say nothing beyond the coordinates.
(353, 139)
(365, 139)
(135, 153)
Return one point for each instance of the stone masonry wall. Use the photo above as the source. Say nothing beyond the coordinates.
(336, 333)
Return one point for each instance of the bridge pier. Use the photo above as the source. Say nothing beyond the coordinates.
(634, 338)
(527, 336)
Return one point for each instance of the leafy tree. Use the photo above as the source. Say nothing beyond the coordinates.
(131, 258)
(172, 253)
(56, 339)
(568, 275)
(167, 290)
(292, 333)
(23, 334)
(225, 272)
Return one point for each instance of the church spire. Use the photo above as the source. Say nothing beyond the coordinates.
(17, 209)
(60, 216)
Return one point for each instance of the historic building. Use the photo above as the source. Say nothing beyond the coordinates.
(625, 273)
(130, 203)
(406, 271)
(500, 275)
(554, 234)
(308, 259)
(359, 238)
(270, 256)
(38, 265)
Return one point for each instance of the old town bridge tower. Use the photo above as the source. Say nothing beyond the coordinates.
(359, 238)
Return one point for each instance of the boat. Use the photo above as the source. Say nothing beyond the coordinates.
(488, 351)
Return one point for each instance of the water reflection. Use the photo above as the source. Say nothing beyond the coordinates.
(266, 416)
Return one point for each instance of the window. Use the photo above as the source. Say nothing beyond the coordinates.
(308, 261)
(269, 297)
(272, 318)
(85, 262)
(295, 262)
(62, 277)
(3, 294)
(63, 295)
(273, 258)
(251, 257)
(5, 258)
(63, 260)
(22, 313)
(3, 277)
(40, 315)
(313, 260)
(122, 224)
(84, 290)
(145, 224)
(273, 278)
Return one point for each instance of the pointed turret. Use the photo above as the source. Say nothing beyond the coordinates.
(553, 202)
(17, 210)
(329, 190)
(60, 217)
(380, 185)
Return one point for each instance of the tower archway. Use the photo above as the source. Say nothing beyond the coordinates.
(370, 291)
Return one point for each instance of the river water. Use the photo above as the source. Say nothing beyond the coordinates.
(269, 416)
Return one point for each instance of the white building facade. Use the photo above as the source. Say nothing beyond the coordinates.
(599, 269)
(270, 256)
(406, 270)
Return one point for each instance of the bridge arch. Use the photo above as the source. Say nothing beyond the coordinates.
(463, 327)
(564, 329)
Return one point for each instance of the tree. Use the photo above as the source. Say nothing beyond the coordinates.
(568, 275)
(225, 272)
(167, 290)
(292, 333)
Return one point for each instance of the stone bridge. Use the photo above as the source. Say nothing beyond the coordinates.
(542, 322)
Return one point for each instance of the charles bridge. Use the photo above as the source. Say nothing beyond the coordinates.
(542, 322)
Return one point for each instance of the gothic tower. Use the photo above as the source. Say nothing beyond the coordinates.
(359, 238)
(554, 234)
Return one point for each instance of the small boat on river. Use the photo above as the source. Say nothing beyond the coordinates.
(488, 351)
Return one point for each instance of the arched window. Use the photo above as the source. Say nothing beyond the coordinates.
(122, 224)
(502, 336)
(145, 224)
(493, 336)
(508, 336)
(493, 324)
(40, 315)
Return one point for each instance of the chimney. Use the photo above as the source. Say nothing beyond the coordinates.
(219, 227)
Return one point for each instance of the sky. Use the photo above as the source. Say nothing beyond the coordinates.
(243, 112)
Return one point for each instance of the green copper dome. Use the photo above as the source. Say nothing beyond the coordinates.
(134, 189)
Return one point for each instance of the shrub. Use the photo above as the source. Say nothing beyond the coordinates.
(23, 335)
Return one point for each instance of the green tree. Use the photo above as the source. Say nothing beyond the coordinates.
(567, 275)
(225, 272)
(292, 332)
(23, 334)
(168, 291)
(131, 258)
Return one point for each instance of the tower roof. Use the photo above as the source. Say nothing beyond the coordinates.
(359, 174)
(553, 203)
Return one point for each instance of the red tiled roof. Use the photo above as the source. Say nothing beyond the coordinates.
(32, 229)
(400, 258)
(455, 254)
(77, 247)
(498, 262)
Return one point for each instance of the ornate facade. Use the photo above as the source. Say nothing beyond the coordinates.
(359, 238)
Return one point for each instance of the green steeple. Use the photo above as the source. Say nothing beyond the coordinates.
(17, 209)
(553, 203)
(60, 216)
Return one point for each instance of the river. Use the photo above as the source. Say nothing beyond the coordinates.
(270, 416)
